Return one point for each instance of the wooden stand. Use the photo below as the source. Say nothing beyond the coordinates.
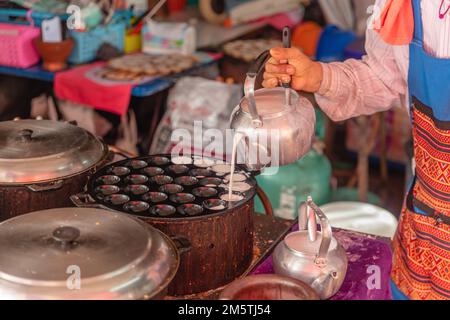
(268, 232)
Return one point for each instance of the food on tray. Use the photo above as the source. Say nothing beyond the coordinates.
(140, 65)
(249, 50)
(121, 75)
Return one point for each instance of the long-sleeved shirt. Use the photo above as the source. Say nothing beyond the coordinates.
(379, 80)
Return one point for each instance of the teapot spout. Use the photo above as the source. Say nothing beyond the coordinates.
(324, 285)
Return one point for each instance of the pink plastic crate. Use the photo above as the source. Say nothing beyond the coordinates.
(16, 45)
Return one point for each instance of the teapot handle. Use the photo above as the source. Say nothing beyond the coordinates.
(258, 64)
(307, 221)
(249, 86)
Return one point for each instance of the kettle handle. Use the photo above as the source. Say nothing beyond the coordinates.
(249, 86)
(258, 64)
(307, 221)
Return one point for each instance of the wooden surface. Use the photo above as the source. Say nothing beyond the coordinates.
(268, 231)
(221, 248)
(17, 200)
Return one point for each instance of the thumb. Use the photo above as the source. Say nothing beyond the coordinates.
(285, 53)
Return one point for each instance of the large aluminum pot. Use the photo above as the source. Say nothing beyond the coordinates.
(43, 162)
(312, 256)
(76, 253)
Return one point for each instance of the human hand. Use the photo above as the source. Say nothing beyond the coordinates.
(291, 65)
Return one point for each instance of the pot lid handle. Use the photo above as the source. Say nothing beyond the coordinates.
(25, 135)
(307, 221)
(66, 235)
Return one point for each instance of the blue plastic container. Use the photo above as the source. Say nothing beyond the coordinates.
(87, 43)
(333, 43)
(19, 16)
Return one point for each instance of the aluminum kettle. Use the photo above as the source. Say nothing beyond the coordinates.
(277, 123)
(312, 256)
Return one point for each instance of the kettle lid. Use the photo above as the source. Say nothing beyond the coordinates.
(300, 242)
(272, 101)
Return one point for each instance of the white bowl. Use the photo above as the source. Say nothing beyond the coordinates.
(361, 217)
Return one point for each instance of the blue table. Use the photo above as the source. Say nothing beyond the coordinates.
(143, 90)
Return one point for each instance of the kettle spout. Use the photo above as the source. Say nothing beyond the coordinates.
(325, 284)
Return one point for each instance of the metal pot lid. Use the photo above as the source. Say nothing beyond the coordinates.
(271, 102)
(41, 150)
(79, 253)
(299, 242)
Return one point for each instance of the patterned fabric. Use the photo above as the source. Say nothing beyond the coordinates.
(421, 268)
(432, 155)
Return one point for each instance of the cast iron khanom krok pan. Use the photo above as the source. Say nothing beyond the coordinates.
(182, 198)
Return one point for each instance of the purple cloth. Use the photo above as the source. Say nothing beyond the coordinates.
(362, 253)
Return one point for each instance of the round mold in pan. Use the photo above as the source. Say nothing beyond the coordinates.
(190, 209)
(136, 179)
(119, 171)
(181, 198)
(136, 164)
(162, 210)
(155, 197)
(201, 173)
(153, 171)
(178, 168)
(204, 192)
(186, 181)
(171, 188)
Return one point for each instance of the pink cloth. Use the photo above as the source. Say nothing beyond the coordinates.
(379, 81)
(281, 20)
(74, 85)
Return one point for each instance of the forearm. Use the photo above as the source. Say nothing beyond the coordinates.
(362, 87)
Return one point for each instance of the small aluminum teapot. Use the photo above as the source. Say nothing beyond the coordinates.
(278, 124)
(312, 256)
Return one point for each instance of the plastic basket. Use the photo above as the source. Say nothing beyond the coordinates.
(86, 44)
(21, 16)
(16, 45)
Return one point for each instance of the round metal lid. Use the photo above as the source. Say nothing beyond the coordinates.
(79, 253)
(272, 101)
(41, 150)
